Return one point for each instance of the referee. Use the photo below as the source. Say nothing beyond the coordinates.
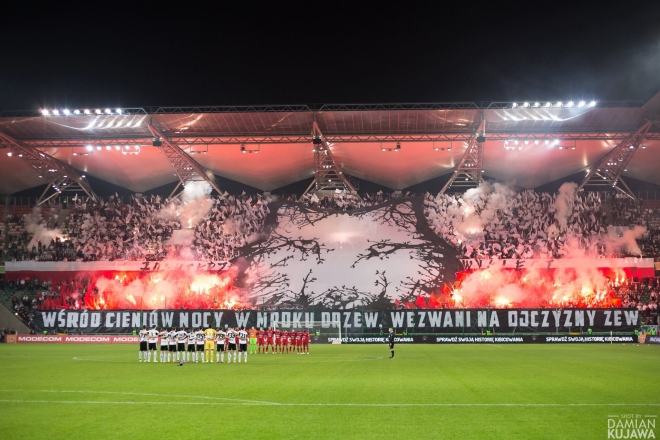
(390, 340)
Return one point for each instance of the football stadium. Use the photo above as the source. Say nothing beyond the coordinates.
(385, 243)
(468, 248)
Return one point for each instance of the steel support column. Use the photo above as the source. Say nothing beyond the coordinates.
(327, 174)
(58, 175)
(607, 172)
(468, 173)
(186, 168)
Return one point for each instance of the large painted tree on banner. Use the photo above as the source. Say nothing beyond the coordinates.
(368, 257)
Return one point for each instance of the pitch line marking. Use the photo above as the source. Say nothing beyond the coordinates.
(101, 402)
(260, 402)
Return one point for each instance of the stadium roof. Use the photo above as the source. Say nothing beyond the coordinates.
(282, 134)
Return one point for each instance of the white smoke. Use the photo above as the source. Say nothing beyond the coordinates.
(194, 206)
(564, 204)
(39, 231)
(620, 239)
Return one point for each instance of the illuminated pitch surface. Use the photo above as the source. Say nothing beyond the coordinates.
(347, 391)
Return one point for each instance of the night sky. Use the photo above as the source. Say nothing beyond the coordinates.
(132, 54)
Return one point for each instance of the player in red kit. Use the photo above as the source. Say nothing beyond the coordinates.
(298, 342)
(305, 341)
(278, 334)
(284, 338)
(261, 341)
(269, 339)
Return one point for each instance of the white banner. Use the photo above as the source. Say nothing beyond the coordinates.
(562, 263)
(120, 266)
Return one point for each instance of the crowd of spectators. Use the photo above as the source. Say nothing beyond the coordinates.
(4, 332)
(642, 295)
(346, 200)
(625, 211)
(112, 230)
(501, 224)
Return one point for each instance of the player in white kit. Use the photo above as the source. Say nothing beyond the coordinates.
(220, 346)
(152, 337)
(143, 342)
(171, 351)
(164, 341)
(199, 335)
(242, 343)
(231, 344)
(191, 356)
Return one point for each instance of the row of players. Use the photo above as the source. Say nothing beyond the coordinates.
(173, 343)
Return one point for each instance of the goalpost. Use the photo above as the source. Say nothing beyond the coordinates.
(323, 329)
(329, 329)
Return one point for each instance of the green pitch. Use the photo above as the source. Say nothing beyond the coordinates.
(348, 391)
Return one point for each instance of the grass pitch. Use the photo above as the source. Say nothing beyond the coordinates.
(348, 391)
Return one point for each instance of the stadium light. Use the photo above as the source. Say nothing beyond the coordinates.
(9, 154)
(514, 105)
(570, 104)
(76, 112)
(87, 112)
(56, 112)
(117, 147)
(536, 104)
(536, 142)
(97, 111)
(548, 104)
(581, 104)
(592, 104)
(108, 147)
(65, 111)
(559, 104)
(98, 148)
(108, 111)
(526, 104)
(89, 148)
(118, 111)
(547, 142)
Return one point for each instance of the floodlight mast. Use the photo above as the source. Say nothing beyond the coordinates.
(327, 174)
(469, 172)
(58, 175)
(607, 171)
(186, 168)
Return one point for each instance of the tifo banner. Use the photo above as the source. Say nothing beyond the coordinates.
(377, 257)
(350, 321)
(633, 267)
(76, 339)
